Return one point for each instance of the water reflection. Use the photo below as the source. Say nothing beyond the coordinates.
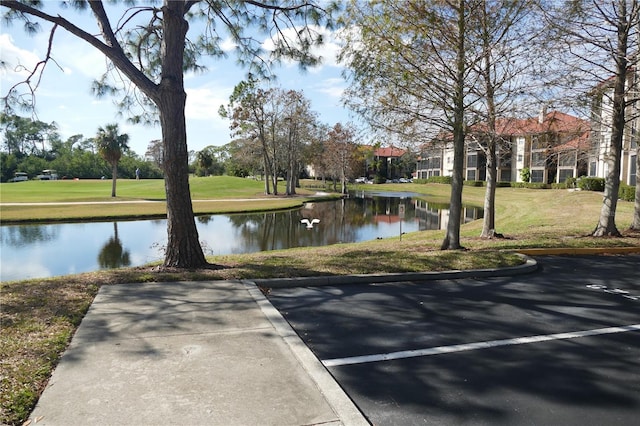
(18, 236)
(112, 254)
(46, 250)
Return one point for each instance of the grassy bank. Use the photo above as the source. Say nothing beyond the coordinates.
(69, 200)
(38, 317)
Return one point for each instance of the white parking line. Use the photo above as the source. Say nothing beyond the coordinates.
(478, 345)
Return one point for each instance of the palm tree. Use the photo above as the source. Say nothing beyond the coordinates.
(110, 146)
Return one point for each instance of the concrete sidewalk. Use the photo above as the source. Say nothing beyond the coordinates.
(194, 353)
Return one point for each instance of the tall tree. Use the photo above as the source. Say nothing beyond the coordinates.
(504, 72)
(111, 144)
(298, 122)
(153, 57)
(155, 153)
(340, 155)
(280, 121)
(250, 116)
(410, 72)
(597, 40)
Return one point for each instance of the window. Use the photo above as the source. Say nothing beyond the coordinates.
(537, 176)
(538, 159)
(633, 170)
(563, 174)
(567, 159)
(538, 142)
(471, 175)
(472, 160)
(505, 176)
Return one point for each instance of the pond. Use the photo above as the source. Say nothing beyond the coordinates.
(38, 251)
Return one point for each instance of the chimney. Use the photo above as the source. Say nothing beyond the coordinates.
(543, 112)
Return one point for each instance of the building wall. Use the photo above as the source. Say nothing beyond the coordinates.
(601, 140)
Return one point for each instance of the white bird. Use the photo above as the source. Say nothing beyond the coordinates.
(310, 223)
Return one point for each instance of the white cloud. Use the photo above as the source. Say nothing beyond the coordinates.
(18, 61)
(228, 45)
(334, 87)
(203, 102)
(75, 56)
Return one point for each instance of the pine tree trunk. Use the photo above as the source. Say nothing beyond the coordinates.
(183, 247)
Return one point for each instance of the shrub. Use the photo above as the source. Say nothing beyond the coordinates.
(474, 183)
(530, 185)
(627, 192)
(439, 179)
(379, 179)
(591, 184)
(525, 174)
(571, 182)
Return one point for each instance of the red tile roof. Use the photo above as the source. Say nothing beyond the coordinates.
(389, 151)
(555, 121)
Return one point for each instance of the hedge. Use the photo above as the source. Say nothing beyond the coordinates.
(530, 185)
(591, 184)
(435, 179)
(627, 192)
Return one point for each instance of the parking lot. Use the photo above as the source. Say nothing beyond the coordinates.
(558, 346)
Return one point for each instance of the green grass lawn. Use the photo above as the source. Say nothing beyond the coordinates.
(39, 316)
(126, 189)
(135, 198)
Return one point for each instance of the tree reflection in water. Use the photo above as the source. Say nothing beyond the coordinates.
(113, 255)
(65, 248)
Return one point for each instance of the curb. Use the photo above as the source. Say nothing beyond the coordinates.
(341, 404)
(578, 251)
(529, 265)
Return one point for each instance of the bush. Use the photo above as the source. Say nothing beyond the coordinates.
(379, 179)
(435, 179)
(627, 192)
(440, 179)
(571, 182)
(591, 184)
(530, 185)
(474, 183)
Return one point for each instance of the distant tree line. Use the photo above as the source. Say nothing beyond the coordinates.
(300, 147)
(31, 146)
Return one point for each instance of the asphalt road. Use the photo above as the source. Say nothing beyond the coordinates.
(559, 346)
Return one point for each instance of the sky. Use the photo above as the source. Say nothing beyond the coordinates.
(64, 94)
